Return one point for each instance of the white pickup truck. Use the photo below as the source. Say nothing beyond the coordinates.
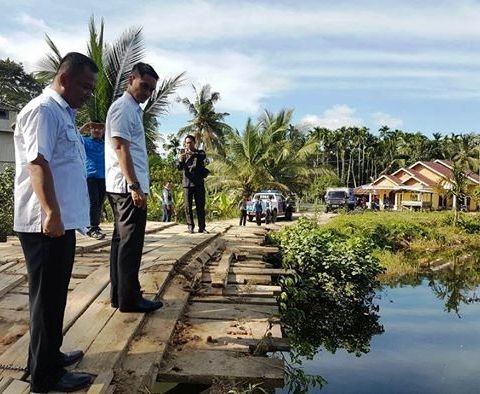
(280, 206)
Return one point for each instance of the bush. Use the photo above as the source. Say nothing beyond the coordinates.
(328, 302)
(7, 179)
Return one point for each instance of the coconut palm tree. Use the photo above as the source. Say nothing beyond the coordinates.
(206, 125)
(115, 61)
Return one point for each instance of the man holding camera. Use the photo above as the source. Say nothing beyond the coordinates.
(192, 162)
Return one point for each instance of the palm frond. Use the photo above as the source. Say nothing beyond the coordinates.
(121, 57)
(158, 104)
(48, 66)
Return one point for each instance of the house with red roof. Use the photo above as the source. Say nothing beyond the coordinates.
(423, 185)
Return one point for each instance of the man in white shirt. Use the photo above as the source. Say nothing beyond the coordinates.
(127, 182)
(51, 201)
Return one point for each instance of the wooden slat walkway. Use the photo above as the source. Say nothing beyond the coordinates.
(124, 351)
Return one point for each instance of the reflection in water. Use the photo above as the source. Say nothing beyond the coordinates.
(423, 349)
(454, 284)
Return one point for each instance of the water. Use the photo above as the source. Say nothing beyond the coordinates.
(430, 343)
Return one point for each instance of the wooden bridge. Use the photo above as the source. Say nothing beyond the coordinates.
(219, 321)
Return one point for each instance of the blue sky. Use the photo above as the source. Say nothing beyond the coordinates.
(412, 65)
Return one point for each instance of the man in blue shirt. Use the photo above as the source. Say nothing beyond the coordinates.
(95, 163)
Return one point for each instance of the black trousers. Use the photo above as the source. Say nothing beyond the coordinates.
(49, 266)
(96, 191)
(126, 249)
(243, 217)
(258, 218)
(197, 192)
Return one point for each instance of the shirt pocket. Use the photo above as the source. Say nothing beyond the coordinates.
(71, 148)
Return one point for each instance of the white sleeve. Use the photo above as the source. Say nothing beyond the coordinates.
(120, 123)
(40, 133)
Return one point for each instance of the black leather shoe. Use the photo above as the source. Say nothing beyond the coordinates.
(70, 358)
(142, 306)
(203, 231)
(71, 381)
(114, 304)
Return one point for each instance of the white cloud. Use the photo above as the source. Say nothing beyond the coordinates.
(213, 21)
(383, 119)
(333, 118)
(244, 82)
(32, 23)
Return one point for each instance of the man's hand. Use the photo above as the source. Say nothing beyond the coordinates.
(53, 225)
(182, 156)
(139, 199)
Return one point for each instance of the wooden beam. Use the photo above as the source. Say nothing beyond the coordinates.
(220, 275)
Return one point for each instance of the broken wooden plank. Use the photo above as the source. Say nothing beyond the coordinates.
(205, 366)
(235, 300)
(220, 275)
(201, 310)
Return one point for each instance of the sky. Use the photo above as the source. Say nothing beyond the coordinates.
(408, 64)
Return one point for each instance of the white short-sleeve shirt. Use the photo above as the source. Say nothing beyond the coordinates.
(125, 120)
(46, 126)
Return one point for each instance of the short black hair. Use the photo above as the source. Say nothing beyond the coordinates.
(144, 68)
(189, 136)
(75, 63)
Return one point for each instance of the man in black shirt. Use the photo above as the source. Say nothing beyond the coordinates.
(192, 162)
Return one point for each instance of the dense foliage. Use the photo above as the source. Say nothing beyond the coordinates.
(328, 303)
(17, 87)
(6, 203)
(115, 62)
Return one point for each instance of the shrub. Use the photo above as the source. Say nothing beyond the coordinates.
(6, 202)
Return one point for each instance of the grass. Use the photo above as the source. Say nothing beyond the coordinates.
(406, 241)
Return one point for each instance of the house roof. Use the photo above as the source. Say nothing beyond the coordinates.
(391, 178)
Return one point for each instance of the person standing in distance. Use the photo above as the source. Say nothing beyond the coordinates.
(192, 162)
(51, 201)
(127, 183)
(95, 151)
(167, 202)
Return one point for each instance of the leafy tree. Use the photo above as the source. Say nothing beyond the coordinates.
(17, 87)
(207, 125)
(115, 61)
(6, 203)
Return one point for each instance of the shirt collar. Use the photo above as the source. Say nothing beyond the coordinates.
(132, 101)
(59, 99)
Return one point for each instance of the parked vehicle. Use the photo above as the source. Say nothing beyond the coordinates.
(339, 197)
(281, 207)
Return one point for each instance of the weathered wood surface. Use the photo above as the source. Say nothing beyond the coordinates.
(125, 350)
(200, 366)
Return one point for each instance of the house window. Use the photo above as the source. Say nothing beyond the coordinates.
(3, 114)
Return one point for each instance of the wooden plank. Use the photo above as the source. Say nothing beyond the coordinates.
(153, 282)
(220, 275)
(215, 311)
(17, 387)
(205, 366)
(86, 328)
(147, 349)
(242, 290)
(231, 335)
(253, 248)
(240, 279)
(101, 384)
(78, 301)
(4, 382)
(261, 271)
(17, 302)
(8, 282)
(235, 300)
